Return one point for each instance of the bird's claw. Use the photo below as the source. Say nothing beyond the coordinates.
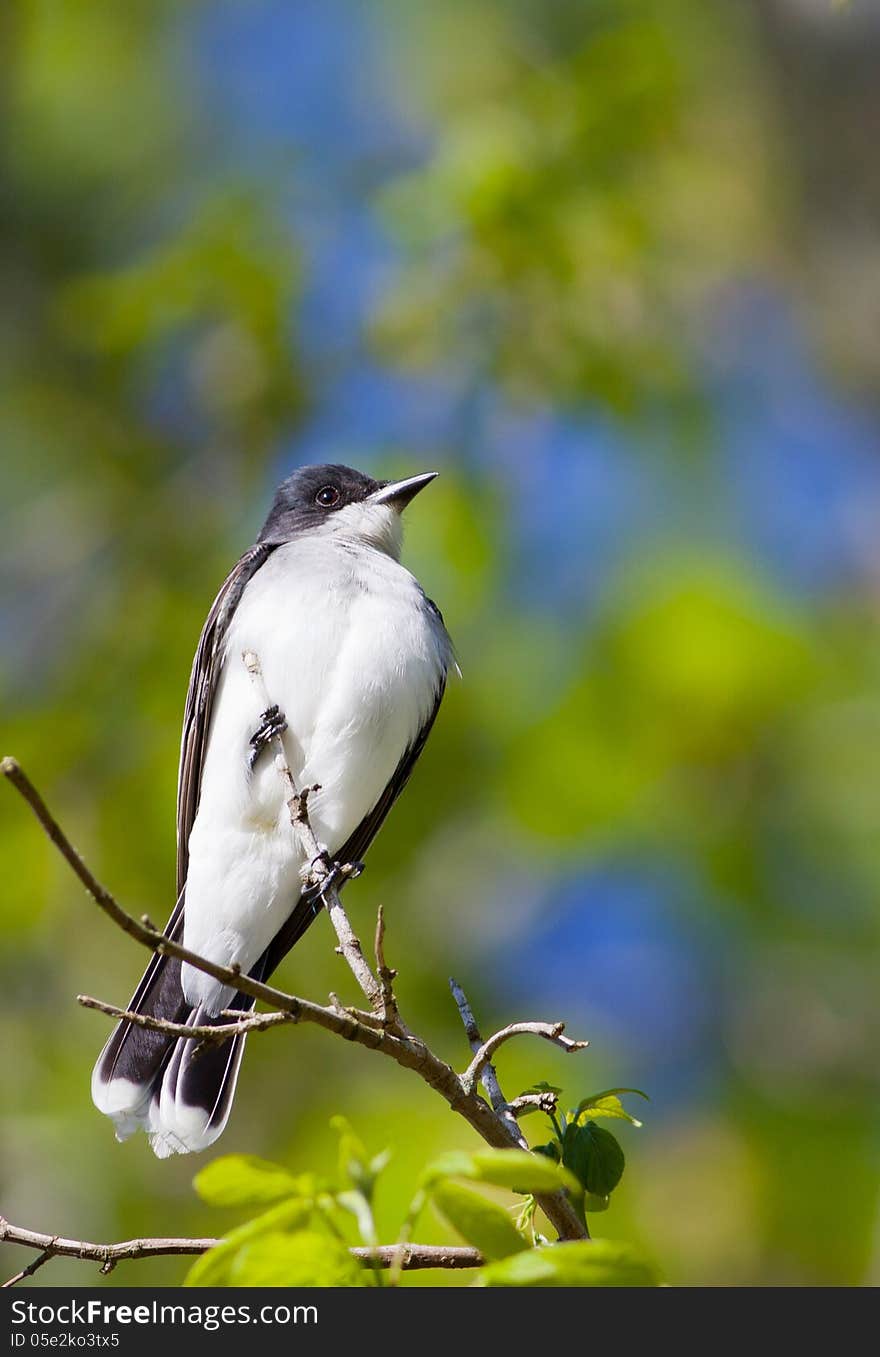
(272, 724)
(334, 874)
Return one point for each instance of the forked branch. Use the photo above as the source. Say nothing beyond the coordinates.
(378, 1029)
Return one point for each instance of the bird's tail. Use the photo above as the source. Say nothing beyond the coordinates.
(144, 1079)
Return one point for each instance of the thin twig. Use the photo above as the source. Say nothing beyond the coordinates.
(28, 1271)
(350, 947)
(488, 1075)
(387, 975)
(545, 1101)
(549, 1031)
(215, 1034)
(416, 1256)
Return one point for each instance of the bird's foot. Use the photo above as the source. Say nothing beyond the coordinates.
(340, 872)
(272, 724)
(331, 874)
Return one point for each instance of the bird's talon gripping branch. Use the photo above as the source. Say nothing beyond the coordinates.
(273, 724)
(325, 875)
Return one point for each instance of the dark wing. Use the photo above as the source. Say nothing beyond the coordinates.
(355, 847)
(200, 698)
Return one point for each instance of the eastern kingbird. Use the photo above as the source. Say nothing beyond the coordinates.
(355, 656)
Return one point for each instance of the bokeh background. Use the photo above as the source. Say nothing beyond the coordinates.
(613, 268)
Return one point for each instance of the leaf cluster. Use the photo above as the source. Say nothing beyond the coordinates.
(300, 1234)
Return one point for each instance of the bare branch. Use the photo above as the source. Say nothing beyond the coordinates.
(108, 1255)
(387, 975)
(495, 1125)
(418, 1256)
(545, 1101)
(487, 1073)
(414, 1256)
(302, 1010)
(549, 1031)
(350, 947)
(213, 1034)
(28, 1271)
(472, 1031)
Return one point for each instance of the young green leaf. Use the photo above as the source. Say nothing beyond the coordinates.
(245, 1180)
(354, 1163)
(517, 1169)
(594, 1157)
(597, 1262)
(303, 1259)
(482, 1223)
(353, 1159)
(608, 1104)
(213, 1267)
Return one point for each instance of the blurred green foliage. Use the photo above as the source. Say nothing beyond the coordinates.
(305, 1236)
(598, 175)
(587, 191)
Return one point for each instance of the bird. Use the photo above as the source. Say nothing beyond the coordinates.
(355, 658)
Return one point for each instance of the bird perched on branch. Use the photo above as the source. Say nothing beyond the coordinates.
(355, 658)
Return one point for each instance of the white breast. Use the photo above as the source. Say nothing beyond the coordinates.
(354, 656)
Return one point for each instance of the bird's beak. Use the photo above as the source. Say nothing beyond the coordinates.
(399, 493)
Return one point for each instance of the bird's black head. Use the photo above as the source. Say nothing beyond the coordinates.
(337, 500)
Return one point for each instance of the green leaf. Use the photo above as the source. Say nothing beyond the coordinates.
(594, 1157)
(245, 1180)
(482, 1223)
(517, 1169)
(597, 1262)
(353, 1160)
(551, 1150)
(213, 1268)
(608, 1104)
(354, 1163)
(303, 1259)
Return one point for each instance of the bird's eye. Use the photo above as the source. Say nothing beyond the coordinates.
(327, 496)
